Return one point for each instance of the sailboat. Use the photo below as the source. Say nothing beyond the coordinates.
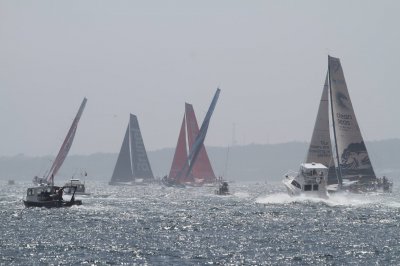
(351, 169)
(193, 168)
(47, 194)
(133, 166)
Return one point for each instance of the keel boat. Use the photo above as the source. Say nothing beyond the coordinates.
(350, 167)
(132, 166)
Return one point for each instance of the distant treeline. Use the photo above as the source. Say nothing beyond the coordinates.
(254, 162)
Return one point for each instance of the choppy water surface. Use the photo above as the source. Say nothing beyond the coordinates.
(258, 224)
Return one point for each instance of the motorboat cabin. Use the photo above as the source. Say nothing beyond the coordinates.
(311, 180)
(70, 186)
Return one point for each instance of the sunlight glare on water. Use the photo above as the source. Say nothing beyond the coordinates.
(255, 225)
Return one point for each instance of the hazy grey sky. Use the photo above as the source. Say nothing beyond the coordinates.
(149, 57)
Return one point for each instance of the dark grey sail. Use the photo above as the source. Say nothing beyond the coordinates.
(353, 159)
(140, 161)
(132, 163)
(320, 149)
(123, 167)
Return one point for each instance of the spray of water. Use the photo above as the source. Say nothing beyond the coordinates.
(339, 199)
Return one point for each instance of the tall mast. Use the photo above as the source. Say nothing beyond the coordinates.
(334, 129)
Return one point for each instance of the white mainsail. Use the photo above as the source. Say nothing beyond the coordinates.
(65, 147)
(320, 149)
(353, 159)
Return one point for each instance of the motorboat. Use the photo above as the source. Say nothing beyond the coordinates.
(75, 185)
(49, 197)
(311, 180)
(223, 189)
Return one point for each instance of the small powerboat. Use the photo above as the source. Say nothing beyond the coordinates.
(49, 197)
(75, 185)
(223, 189)
(310, 181)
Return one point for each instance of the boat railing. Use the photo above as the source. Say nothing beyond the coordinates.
(290, 173)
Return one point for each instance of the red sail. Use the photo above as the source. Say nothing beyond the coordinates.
(191, 125)
(65, 147)
(180, 156)
(202, 168)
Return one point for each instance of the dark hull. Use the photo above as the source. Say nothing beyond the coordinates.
(52, 204)
(365, 188)
(222, 193)
(171, 183)
(78, 193)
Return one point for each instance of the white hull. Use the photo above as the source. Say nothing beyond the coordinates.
(294, 191)
(291, 189)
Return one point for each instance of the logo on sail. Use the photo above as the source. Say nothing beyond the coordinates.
(355, 156)
(342, 100)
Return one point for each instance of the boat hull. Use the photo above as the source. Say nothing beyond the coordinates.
(367, 188)
(294, 191)
(78, 193)
(144, 183)
(291, 189)
(52, 204)
(170, 183)
(217, 192)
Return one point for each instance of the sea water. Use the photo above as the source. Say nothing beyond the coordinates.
(258, 224)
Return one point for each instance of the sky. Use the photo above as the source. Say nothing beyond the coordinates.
(269, 58)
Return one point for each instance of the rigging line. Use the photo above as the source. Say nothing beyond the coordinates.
(226, 163)
(44, 166)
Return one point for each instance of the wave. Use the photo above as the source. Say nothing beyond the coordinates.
(339, 199)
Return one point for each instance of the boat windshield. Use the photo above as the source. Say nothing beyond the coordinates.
(296, 184)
